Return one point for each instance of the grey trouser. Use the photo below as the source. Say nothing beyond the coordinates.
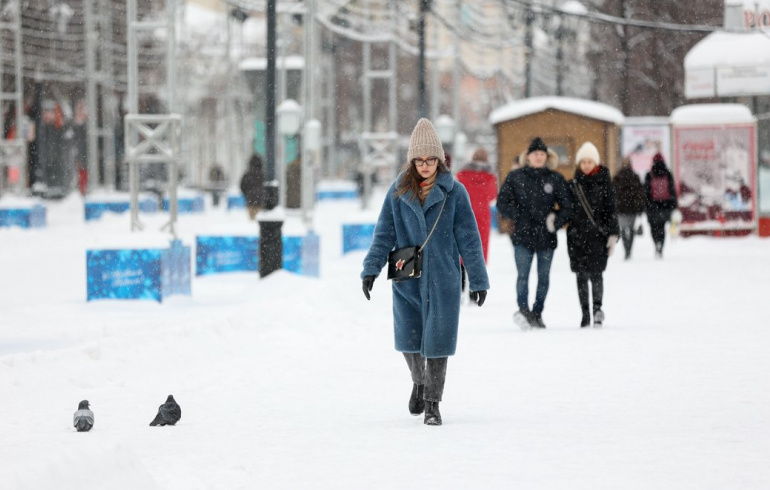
(432, 374)
(626, 224)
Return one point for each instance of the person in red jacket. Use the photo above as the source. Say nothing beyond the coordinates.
(480, 182)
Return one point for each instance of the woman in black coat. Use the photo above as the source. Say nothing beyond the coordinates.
(630, 201)
(593, 230)
(661, 200)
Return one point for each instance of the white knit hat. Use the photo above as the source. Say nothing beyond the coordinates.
(425, 142)
(587, 151)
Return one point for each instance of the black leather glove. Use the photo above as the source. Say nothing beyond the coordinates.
(368, 282)
(478, 297)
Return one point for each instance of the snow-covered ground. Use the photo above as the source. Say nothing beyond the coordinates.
(292, 382)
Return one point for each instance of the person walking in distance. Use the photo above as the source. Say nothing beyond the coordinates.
(593, 230)
(481, 184)
(426, 207)
(629, 202)
(529, 197)
(661, 200)
(253, 186)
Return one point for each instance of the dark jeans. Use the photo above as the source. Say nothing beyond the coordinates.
(432, 374)
(626, 223)
(524, 258)
(597, 289)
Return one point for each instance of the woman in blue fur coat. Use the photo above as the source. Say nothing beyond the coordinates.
(426, 310)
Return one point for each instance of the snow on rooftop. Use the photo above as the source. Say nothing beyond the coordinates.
(581, 107)
(696, 114)
(730, 49)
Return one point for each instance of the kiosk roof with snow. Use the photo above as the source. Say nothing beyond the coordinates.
(710, 114)
(564, 123)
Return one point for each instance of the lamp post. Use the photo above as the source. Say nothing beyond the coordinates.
(311, 138)
(289, 114)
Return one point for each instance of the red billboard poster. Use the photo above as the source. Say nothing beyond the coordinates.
(716, 177)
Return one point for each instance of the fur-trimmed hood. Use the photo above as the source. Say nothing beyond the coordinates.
(551, 162)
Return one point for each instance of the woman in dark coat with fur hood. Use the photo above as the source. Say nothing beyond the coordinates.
(593, 230)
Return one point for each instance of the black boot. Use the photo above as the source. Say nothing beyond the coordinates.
(586, 320)
(432, 415)
(416, 403)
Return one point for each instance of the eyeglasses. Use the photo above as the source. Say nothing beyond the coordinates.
(419, 162)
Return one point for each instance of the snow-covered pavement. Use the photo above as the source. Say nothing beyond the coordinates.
(292, 382)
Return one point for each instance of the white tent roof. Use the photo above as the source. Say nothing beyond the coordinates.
(700, 114)
(581, 107)
(730, 49)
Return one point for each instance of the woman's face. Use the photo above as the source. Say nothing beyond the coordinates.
(587, 165)
(426, 166)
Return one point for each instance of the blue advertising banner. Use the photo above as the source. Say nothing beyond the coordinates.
(138, 274)
(215, 254)
(328, 194)
(357, 237)
(236, 202)
(186, 204)
(124, 274)
(95, 209)
(33, 217)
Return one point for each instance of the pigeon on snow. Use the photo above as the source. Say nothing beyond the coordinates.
(83, 419)
(168, 414)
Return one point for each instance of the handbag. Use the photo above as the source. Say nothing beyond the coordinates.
(406, 263)
(587, 208)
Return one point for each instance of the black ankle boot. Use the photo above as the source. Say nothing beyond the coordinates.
(586, 320)
(416, 403)
(432, 415)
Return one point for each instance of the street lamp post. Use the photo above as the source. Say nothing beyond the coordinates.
(311, 138)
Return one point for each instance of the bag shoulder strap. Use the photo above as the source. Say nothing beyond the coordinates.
(436, 223)
(584, 203)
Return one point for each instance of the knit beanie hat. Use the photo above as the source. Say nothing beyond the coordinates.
(537, 144)
(658, 158)
(424, 142)
(587, 151)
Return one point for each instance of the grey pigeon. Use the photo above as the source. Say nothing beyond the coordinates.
(83, 419)
(168, 414)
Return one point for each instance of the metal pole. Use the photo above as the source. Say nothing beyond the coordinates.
(422, 107)
(559, 55)
(309, 157)
(529, 18)
(230, 136)
(271, 191)
(435, 90)
(393, 89)
(108, 94)
(132, 108)
(366, 169)
(331, 108)
(132, 104)
(456, 91)
(91, 88)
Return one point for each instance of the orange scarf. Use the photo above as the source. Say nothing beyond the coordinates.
(425, 187)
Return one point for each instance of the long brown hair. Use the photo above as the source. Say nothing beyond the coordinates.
(410, 179)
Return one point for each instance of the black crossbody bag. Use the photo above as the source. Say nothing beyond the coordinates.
(587, 208)
(406, 263)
